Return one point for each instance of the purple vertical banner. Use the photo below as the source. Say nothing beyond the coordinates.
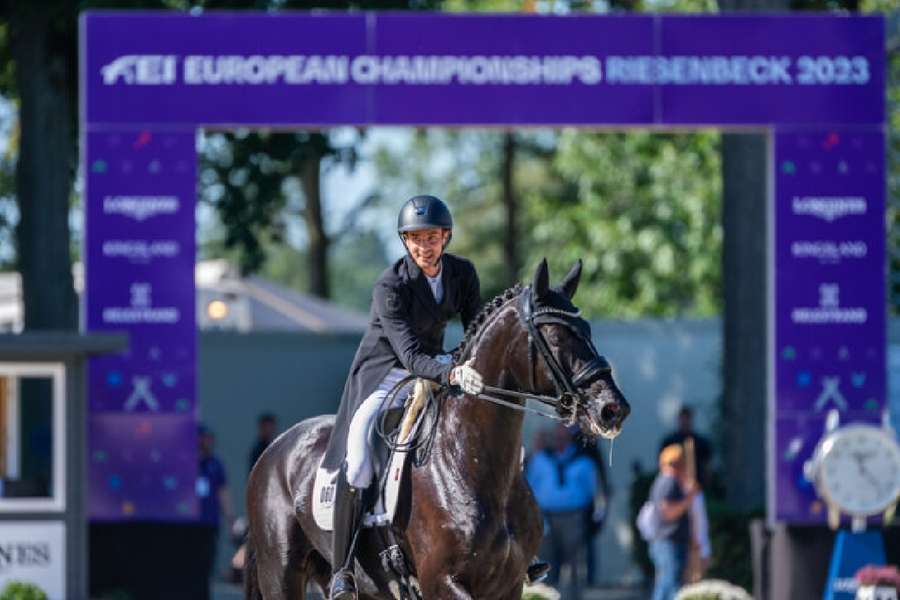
(139, 265)
(829, 291)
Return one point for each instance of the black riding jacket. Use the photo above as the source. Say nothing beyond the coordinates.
(406, 330)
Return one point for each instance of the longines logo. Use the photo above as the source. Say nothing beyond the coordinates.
(24, 554)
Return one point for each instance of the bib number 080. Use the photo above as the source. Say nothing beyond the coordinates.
(828, 70)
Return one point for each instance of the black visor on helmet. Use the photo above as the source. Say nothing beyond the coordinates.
(424, 212)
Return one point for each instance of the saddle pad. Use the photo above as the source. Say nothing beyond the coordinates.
(325, 486)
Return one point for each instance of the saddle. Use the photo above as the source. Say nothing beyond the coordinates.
(402, 427)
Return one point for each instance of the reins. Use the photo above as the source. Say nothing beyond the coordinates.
(549, 400)
(565, 404)
(569, 398)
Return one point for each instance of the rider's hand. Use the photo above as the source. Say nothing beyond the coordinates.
(467, 378)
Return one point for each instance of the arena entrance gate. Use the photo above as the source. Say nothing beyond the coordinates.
(814, 83)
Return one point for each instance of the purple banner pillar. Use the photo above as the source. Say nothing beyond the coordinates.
(829, 300)
(139, 265)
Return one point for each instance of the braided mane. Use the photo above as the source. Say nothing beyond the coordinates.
(488, 310)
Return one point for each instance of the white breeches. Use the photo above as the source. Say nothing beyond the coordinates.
(359, 457)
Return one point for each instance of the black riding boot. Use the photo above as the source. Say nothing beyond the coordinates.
(347, 516)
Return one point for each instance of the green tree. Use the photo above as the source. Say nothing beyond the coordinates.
(893, 144)
(485, 175)
(38, 66)
(643, 212)
(257, 180)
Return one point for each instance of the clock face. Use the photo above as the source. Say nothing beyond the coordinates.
(860, 469)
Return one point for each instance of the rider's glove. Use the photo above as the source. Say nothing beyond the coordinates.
(467, 378)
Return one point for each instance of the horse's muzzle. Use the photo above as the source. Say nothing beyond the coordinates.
(611, 416)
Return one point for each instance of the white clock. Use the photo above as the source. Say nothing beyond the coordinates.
(856, 470)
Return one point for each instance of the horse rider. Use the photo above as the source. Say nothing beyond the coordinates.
(412, 301)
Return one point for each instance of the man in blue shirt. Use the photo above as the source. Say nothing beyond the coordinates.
(564, 482)
(212, 492)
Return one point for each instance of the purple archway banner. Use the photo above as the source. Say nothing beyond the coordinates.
(829, 317)
(369, 68)
(149, 80)
(139, 263)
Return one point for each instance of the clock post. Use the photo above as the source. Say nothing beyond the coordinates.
(853, 550)
(856, 472)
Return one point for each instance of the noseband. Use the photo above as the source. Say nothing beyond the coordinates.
(568, 398)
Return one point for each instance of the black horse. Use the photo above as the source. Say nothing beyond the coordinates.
(471, 526)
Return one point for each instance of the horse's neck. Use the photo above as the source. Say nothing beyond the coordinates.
(487, 438)
(484, 442)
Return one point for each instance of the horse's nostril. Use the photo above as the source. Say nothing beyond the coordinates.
(609, 412)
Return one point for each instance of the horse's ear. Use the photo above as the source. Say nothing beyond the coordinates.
(540, 285)
(570, 282)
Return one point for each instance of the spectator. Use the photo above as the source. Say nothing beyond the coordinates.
(214, 503)
(595, 514)
(266, 430)
(673, 494)
(702, 447)
(701, 549)
(540, 440)
(564, 481)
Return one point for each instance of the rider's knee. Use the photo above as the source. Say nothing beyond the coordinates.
(359, 473)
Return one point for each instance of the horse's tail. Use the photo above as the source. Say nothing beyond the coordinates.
(251, 578)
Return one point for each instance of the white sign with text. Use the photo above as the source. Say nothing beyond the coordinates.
(34, 552)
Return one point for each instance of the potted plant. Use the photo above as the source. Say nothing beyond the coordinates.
(539, 591)
(712, 589)
(877, 583)
(20, 590)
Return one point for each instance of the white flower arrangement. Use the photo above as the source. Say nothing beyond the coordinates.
(540, 591)
(712, 589)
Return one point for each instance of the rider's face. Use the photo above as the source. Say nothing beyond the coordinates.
(426, 247)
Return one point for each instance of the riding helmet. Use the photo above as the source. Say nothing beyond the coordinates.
(423, 212)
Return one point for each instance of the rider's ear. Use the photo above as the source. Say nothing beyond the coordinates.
(570, 282)
(540, 285)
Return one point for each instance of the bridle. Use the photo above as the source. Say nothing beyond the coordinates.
(569, 397)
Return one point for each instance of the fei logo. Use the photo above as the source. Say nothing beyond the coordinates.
(141, 69)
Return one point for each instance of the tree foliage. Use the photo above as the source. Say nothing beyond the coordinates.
(464, 168)
(253, 180)
(644, 214)
(641, 209)
(893, 157)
